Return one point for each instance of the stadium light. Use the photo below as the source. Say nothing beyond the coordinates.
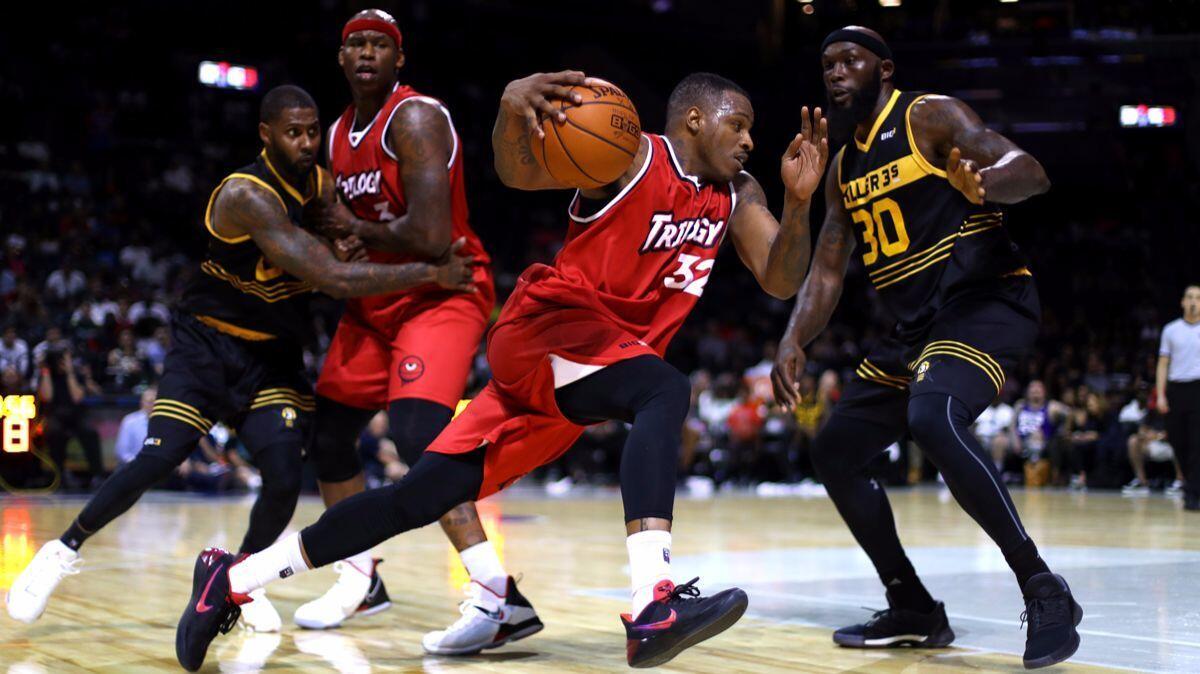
(1143, 115)
(889, 3)
(224, 75)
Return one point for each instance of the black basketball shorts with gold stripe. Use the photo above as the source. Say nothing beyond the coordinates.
(210, 375)
(965, 351)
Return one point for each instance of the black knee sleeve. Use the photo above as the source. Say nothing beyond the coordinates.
(414, 424)
(334, 444)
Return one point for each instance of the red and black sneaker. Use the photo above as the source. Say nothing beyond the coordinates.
(212, 609)
(679, 618)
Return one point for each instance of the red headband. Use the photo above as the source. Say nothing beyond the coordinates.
(370, 23)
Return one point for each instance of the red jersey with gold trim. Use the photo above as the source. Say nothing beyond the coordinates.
(366, 172)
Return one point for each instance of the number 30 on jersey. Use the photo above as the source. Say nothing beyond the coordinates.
(875, 234)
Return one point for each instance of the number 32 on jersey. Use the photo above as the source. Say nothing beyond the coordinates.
(876, 219)
(689, 276)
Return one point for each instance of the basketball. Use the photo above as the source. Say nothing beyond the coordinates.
(598, 141)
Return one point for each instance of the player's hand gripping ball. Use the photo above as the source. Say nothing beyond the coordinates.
(598, 140)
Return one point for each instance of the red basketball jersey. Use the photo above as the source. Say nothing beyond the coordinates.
(366, 172)
(643, 259)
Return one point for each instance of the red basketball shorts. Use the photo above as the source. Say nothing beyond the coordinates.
(516, 414)
(427, 355)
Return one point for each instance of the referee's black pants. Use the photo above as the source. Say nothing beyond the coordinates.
(1183, 430)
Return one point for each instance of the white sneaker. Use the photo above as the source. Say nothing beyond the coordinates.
(357, 592)
(1136, 488)
(259, 615)
(32, 589)
(1175, 489)
(480, 628)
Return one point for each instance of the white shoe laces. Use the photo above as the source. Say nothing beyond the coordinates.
(469, 608)
(54, 570)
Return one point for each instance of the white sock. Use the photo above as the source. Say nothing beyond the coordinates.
(649, 564)
(281, 560)
(484, 567)
(362, 561)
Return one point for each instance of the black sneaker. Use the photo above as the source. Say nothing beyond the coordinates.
(212, 609)
(1052, 615)
(896, 627)
(679, 618)
(1191, 500)
(520, 620)
(376, 599)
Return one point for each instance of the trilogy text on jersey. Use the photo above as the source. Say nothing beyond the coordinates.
(358, 184)
(667, 234)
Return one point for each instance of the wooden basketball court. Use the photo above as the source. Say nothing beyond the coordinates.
(1132, 563)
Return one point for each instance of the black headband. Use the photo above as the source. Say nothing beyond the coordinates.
(876, 47)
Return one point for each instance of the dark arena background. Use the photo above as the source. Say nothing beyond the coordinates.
(119, 119)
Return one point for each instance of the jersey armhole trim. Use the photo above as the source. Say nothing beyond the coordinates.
(332, 135)
(437, 105)
(912, 144)
(208, 224)
(620, 195)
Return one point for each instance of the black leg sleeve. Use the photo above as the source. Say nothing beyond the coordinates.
(654, 397)
(168, 443)
(435, 484)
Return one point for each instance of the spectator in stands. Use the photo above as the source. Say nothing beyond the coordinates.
(14, 352)
(1036, 431)
(744, 424)
(54, 341)
(154, 350)
(381, 461)
(126, 366)
(133, 429)
(1149, 442)
(1087, 424)
(61, 390)
(65, 283)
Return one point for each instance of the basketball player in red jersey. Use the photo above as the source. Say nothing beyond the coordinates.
(581, 342)
(397, 162)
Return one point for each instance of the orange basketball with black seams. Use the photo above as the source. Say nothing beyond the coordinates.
(598, 141)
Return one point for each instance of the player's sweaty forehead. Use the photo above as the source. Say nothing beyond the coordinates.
(733, 103)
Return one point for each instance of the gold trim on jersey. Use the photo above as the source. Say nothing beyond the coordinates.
(284, 396)
(899, 270)
(213, 198)
(292, 191)
(234, 330)
(181, 411)
(891, 176)
(912, 143)
(883, 114)
(871, 372)
(948, 347)
(272, 293)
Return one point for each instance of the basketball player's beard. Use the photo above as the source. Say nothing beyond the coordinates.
(842, 121)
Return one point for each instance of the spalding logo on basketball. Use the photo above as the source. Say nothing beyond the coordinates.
(411, 369)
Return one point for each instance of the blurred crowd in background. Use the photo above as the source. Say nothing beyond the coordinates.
(104, 182)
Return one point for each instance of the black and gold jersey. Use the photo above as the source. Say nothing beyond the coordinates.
(921, 240)
(238, 291)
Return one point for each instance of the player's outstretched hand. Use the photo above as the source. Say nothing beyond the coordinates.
(535, 97)
(803, 163)
(785, 375)
(456, 271)
(965, 177)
